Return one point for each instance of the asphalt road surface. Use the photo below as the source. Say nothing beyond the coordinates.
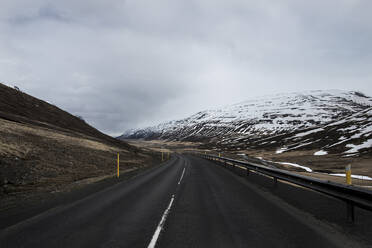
(187, 202)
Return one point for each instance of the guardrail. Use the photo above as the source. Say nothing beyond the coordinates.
(351, 195)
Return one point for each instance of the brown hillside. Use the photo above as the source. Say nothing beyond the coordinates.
(45, 149)
(18, 106)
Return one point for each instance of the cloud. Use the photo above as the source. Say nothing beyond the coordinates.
(123, 64)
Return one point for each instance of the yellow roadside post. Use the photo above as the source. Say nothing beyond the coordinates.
(118, 167)
(348, 174)
(219, 155)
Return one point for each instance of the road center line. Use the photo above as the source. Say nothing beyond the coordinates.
(161, 224)
(159, 228)
(183, 172)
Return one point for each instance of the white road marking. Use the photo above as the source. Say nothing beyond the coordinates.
(183, 172)
(160, 226)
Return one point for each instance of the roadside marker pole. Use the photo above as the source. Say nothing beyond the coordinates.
(118, 167)
(348, 174)
(168, 155)
(219, 155)
(162, 156)
(349, 205)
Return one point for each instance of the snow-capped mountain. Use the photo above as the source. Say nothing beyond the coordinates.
(293, 117)
(349, 136)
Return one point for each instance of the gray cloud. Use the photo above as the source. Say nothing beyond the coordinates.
(123, 64)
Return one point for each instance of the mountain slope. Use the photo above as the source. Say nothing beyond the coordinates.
(274, 122)
(350, 136)
(18, 106)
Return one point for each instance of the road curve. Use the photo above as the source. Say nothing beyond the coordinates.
(187, 202)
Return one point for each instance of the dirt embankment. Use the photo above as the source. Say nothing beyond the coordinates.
(35, 159)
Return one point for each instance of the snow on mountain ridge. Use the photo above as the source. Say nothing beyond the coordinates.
(263, 116)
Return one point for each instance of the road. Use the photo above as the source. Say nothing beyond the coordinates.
(187, 202)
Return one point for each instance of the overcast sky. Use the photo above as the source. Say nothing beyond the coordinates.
(125, 64)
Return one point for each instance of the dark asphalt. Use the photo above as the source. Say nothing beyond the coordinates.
(212, 207)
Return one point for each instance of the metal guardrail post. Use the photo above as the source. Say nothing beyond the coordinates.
(275, 182)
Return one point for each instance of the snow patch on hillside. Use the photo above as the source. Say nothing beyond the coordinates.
(309, 132)
(320, 153)
(281, 150)
(352, 176)
(356, 148)
(295, 165)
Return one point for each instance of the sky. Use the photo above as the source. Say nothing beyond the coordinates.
(123, 64)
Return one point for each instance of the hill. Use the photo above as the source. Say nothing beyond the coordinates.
(20, 107)
(45, 149)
